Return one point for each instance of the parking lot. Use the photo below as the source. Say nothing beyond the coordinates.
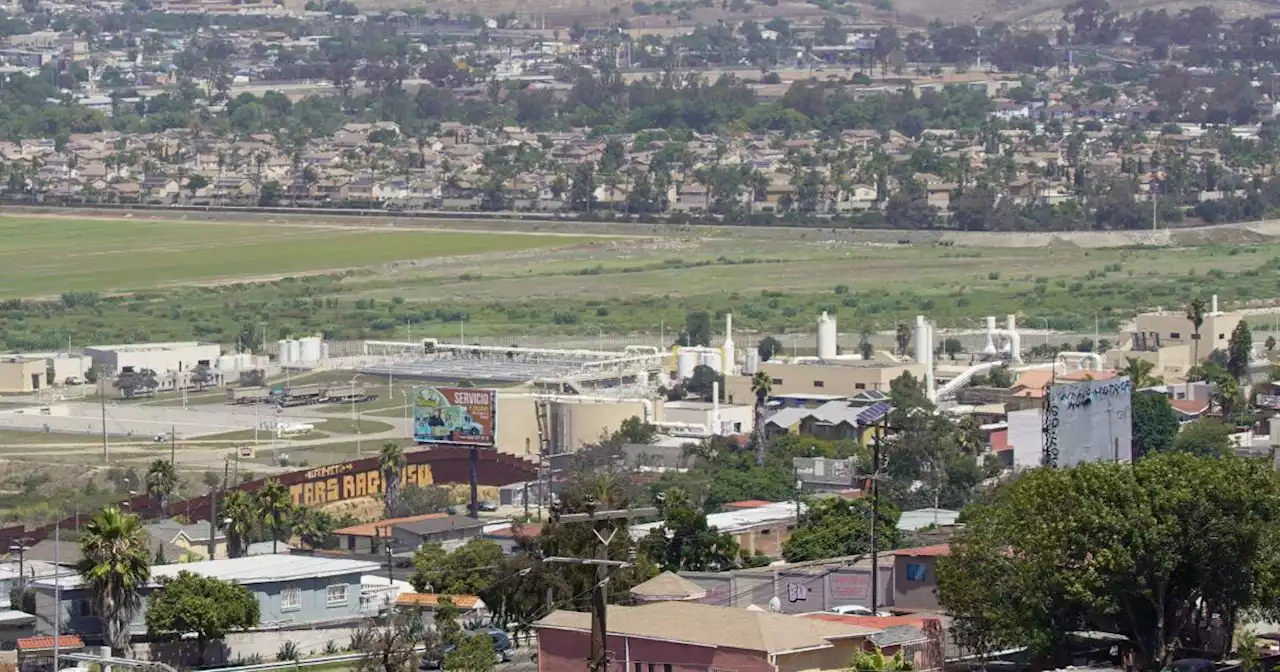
(133, 420)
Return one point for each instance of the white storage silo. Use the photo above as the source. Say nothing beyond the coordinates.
(686, 361)
(227, 363)
(295, 351)
(711, 358)
(753, 363)
(282, 352)
(827, 336)
(309, 349)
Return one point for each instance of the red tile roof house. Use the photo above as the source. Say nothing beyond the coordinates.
(688, 636)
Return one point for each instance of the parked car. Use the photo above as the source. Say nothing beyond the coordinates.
(855, 610)
(501, 648)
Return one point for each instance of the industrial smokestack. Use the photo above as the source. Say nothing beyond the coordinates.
(1214, 311)
(730, 356)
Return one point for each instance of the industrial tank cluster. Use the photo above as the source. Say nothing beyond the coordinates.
(302, 351)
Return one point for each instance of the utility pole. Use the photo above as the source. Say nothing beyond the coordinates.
(875, 514)
(601, 523)
(102, 406)
(173, 446)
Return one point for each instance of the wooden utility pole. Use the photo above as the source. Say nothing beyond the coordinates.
(602, 525)
(875, 514)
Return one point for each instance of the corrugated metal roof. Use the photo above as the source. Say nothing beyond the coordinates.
(256, 569)
(45, 643)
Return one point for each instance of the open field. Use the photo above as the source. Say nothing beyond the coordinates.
(45, 256)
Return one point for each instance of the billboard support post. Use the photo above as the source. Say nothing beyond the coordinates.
(475, 496)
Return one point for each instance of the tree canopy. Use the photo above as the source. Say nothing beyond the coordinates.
(191, 603)
(837, 527)
(1155, 551)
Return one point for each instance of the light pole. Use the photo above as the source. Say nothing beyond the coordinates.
(21, 550)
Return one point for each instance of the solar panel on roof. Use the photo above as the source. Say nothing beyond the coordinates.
(873, 412)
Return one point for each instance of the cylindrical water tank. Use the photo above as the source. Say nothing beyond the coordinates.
(826, 336)
(282, 349)
(227, 363)
(710, 358)
(309, 349)
(295, 352)
(753, 362)
(686, 361)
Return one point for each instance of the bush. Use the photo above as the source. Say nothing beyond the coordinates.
(288, 651)
(993, 275)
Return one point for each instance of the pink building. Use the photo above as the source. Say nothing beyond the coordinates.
(689, 637)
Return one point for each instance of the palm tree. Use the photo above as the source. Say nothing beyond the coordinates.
(391, 461)
(1195, 313)
(1140, 373)
(761, 385)
(115, 566)
(161, 481)
(274, 508)
(240, 520)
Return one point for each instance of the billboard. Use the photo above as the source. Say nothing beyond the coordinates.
(455, 415)
(1088, 422)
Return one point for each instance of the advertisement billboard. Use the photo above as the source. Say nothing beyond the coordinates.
(455, 415)
(1089, 422)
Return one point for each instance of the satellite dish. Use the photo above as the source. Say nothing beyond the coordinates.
(775, 604)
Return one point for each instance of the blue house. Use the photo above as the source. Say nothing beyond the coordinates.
(292, 591)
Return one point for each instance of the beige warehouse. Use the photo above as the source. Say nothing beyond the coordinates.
(21, 374)
(572, 422)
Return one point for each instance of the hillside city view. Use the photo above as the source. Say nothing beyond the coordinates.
(639, 336)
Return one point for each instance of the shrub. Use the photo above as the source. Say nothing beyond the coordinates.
(288, 651)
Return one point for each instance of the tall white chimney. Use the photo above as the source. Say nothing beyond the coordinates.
(1214, 311)
(715, 407)
(922, 340)
(730, 358)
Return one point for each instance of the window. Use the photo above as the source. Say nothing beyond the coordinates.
(818, 383)
(859, 386)
(915, 572)
(290, 599)
(666, 667)
(336, 594)
(1174, 334)
(777, 381)
(1221, 336)
(639, 667)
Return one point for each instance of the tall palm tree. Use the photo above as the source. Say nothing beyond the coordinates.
(761, 385)
(161, 481)
(115, 566)
(239, 516)
(391, 461)
(1140, 372)
(1195, 313)
(274, 509)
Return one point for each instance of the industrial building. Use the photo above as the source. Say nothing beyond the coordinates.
(838, 377)
(22, 374)
(158, 357)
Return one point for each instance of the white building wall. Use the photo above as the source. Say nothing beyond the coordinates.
(1026, 436)
(159, 357)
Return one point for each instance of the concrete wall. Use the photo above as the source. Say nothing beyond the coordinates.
(22, 375)
(797, 591)
(573, 423)
(243, 645)
(909, 593)
(1026, 436)
(67, 367)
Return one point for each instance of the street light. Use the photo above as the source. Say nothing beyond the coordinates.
(21, 550)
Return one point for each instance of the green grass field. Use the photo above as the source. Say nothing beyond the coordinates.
(49, 256)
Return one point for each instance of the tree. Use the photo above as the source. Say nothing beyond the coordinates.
(416, 500)
(902, 338)
(684, 541)
(1270, 343)
(1140, 372)
(702, 380)
(1154, 424)
(205, 606)
(1142, 550)
(275, 508)
(952, 347)
(114, 567)
(697, 329)
(1206, 438)
(391, 462)
(768, 347)
(240, 520)
(837, 527)
(876, 661)
(392, 648)
(201, 376)
(1195, 314)
(314, 528)
(196, 183)
(161, 480)
(446, 622)
(633, 430)
(1240, 351)
(466, 571)
(473, 654)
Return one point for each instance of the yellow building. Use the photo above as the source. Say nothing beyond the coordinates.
(838, 377)
(1153, 331)
(19, 375)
